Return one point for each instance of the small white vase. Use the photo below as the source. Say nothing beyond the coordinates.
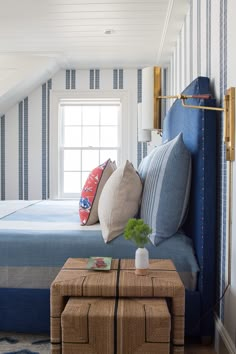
(141, 261)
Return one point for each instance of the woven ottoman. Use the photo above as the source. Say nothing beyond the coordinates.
(143, 326)
(89, 326)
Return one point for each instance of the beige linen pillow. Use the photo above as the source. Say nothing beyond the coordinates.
(119, 201)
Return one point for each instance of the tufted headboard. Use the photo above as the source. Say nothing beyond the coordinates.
(199, 134)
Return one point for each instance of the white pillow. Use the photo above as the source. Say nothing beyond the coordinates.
(119, 201)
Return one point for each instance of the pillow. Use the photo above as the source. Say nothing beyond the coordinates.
(88, 209)
(119, 201)
(166, 189)
(144, 164)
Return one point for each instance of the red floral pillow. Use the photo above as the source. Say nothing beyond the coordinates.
(88, 206)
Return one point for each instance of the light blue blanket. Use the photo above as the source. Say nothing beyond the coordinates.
(36, 238)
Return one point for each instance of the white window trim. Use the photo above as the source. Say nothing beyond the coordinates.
(55, 99)
(98, 102)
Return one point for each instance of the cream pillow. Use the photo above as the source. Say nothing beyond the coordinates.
(119, 201)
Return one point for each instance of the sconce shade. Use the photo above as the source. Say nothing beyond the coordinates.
(151, 106)
(144, 135)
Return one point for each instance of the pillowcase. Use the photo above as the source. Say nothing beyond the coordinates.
(166, 189)
(88, 209)
(144, 164)
(119, 201)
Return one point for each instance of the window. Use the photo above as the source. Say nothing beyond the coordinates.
(89, 135)
(67, 151)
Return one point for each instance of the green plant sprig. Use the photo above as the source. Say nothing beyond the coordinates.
(137, 231)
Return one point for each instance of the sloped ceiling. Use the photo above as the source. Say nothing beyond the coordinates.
(39, 37)
(20, 74)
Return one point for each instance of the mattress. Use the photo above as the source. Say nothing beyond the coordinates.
(36, 238)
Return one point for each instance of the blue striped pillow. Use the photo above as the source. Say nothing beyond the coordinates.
(166, 189)
(144, 164)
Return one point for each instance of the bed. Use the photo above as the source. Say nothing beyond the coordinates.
(36, 237)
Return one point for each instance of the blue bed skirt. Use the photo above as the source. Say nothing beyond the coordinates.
(28, 310)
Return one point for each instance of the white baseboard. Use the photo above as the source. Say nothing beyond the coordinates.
(224, 335)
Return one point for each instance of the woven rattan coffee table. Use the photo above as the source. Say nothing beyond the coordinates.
(115, 294)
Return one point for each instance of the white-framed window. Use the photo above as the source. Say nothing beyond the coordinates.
(84, 132)
(90, 134)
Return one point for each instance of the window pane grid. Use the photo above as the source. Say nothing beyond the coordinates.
(86, 145)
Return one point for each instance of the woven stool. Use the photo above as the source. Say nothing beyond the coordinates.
(88, 326)
(143, 326)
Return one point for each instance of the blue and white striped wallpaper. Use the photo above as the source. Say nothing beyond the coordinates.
(49, 87)
(26, 161)
(46, 87)
(3, 158)
(118, 79)
(73, 79)
(44, 139)
(94, 79)
(70, 79)
(208, 38)
(139, 100)
(23, 149)
(141, 147)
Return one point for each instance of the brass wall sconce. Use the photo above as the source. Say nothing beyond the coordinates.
(151, 90)
(229, 116)
(151, 107)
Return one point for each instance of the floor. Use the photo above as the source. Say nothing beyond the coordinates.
(194, 347)
(40, 344)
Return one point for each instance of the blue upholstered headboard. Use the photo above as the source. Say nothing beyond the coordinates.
(199, 134)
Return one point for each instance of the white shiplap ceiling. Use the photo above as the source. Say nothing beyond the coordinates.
(70, 33)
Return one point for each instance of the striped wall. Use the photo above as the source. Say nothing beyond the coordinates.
(23, 149)
(141, 146)
(94, 79)
(202, 49)
(118, 79)
(46, 87)
(3, 158)
(70, 81)
(26, 127)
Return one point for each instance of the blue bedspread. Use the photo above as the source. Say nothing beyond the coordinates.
(36, 240)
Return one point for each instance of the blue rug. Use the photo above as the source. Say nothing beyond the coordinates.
(20, 343)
